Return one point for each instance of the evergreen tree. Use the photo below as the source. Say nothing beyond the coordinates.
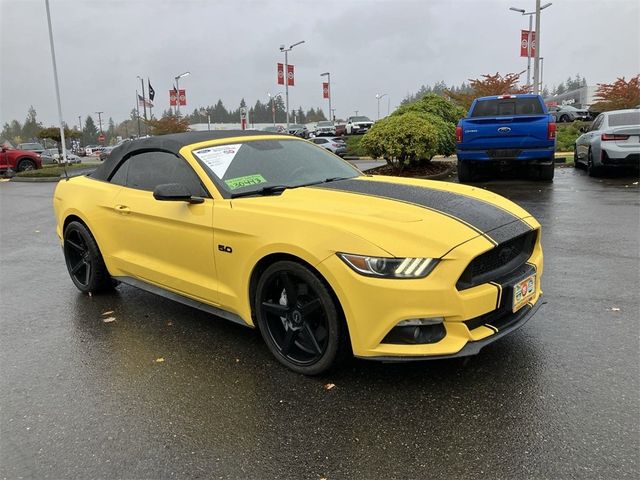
(31, 126)
(89, 132)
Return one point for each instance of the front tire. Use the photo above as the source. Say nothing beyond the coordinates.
(465, 171)
(26, 164)
(84, 260)
(576, 161)
(565, 119)
(299, 319)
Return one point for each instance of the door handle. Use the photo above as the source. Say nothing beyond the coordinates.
(123, 209)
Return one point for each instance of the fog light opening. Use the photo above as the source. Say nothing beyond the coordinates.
(417, 331)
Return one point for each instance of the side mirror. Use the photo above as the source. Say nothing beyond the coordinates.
(175, 192)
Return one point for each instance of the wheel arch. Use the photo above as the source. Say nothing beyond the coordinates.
(272, 258)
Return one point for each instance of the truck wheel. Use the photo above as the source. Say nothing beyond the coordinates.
(546, 172)
(465, 171)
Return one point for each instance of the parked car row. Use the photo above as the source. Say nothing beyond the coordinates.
(612, 140)
(567, 113)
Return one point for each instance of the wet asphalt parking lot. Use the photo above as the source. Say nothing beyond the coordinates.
(559, 398)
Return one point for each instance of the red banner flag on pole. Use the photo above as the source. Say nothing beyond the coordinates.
(325, 90)
(182, 95)
(290, 75)
(524, 41)
(280, 74)
(173, 98)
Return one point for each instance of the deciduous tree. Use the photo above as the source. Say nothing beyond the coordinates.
(618, 95)
(165, 125)
(495, 84)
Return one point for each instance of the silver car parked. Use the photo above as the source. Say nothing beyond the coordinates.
(613, 140)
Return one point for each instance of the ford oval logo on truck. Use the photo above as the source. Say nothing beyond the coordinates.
(504, 129)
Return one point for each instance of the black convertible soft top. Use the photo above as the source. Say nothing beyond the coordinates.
(169, 143)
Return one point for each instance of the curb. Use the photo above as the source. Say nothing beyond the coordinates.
(35, 179)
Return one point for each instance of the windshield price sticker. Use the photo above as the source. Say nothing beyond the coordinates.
(246, 181)
(218, 159)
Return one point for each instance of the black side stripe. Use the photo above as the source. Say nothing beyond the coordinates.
(485, 218)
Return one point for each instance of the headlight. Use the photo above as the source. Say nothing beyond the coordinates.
(389, 267)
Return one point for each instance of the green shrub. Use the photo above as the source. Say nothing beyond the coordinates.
(435, 105)
(567, 134)
(52, 170)
(354, 146)
(404, 139)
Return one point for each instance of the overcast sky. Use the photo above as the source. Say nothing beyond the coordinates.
(231, 48)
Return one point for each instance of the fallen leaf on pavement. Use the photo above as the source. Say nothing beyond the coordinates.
(159, 360)
(329, 386)
(37, 231)
(615, 309)
(109, 319)
(108, 313)
(169, 324)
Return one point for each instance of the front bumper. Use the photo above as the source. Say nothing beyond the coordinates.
(473, 317)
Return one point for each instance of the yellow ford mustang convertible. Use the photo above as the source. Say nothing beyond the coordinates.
(272, 231)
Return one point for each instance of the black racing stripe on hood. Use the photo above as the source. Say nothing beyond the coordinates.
(480, 215)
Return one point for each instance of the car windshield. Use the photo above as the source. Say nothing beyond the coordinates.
(569, 107)
(325, 124)
(30, 146)
(624, 118)
(255, 167)
(507, 107)
(296, 126)
(360, 119)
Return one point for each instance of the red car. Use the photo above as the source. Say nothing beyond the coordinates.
(18, 160)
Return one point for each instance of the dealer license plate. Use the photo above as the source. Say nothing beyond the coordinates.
(523, 291)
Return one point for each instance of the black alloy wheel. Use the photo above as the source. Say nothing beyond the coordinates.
(298, 318)
(26, 165)
(84, 261)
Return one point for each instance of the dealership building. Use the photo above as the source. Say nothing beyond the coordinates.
(582, 97)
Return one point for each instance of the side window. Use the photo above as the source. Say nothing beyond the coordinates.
(597, 123)
(145, 171)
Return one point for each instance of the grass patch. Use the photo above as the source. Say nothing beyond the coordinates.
(53, 170)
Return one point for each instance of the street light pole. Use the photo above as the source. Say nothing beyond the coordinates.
(273, 105)
(379, 96)
(536, 63)
(286, 74)
(177, 79)
(328, 75)
(55, 77)
(100, 120)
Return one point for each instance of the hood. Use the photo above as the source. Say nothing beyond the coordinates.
(404, 217)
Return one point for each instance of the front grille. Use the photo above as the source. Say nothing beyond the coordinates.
(499, 153)
(499, 261)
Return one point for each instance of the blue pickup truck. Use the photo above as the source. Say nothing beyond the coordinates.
(506, 131)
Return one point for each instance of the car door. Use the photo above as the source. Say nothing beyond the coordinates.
(166, 243)
(584, 141)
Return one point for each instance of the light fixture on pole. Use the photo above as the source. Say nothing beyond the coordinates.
(286, 73)
(273, 105)
(177, 79)
(379, 96)
(529, 40)
(328, 75)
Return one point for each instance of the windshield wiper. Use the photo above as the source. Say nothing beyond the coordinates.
(263, 191)
(272, 189)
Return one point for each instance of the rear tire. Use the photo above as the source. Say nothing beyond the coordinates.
(465, 171)
(564, 119)
(84, 260)
(546, 172)
(576, 162)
